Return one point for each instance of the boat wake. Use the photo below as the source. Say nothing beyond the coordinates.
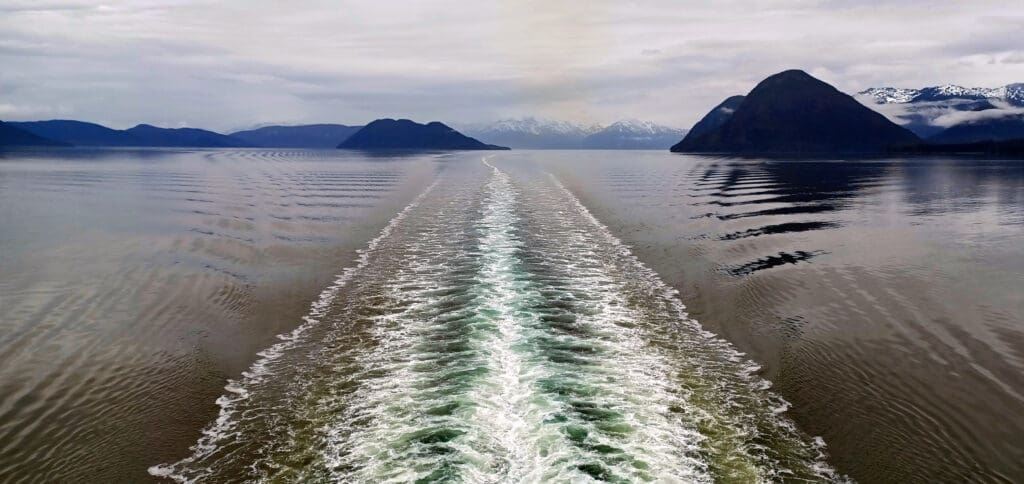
(496, 331)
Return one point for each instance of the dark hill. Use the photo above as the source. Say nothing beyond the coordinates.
(401, 134)
(994, 129)
(717, 117)
(1013, 148)
(305, 136)
(183, 137)
(79, 133)
(792, 112)
(11, 135)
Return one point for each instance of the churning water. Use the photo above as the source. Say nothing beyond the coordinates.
(496, 331)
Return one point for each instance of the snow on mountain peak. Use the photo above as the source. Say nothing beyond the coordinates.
(533, 132)
(537, 126)
(890, 95)
(639, 127)
(1011, 93)
(533, 125)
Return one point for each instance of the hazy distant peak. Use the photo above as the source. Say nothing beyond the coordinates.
(535, 125)
(541, 133)
(639, 126)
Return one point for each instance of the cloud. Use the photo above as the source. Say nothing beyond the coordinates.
(942, 114)
(225, 64)
(954, 118)
(21, 111)
(1016, 57)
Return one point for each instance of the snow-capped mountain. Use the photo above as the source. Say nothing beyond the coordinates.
(931, 110)
(634, 134)
(1012, 94)
(538, 126)
(540, 133)
(890, 95)
(531, 133)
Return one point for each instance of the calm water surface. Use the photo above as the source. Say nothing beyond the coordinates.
(518, 318)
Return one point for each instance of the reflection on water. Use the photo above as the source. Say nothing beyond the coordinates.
(884, 297)
(133, 282)
(497, 320)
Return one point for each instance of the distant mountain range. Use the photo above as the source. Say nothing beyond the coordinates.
(1010, 93)
(80, 133)
(381, 134)
(304, 136)
(794, 113)
(531, 133)
(403, 134)
(951, 113)
(183, 137)
(12, 135)
(633, 135)
(790, 112)
(538, 133)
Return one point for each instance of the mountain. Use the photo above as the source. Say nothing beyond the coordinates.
(391, 134)
(532, 133)
(991, 129)
(930, 110)
(148, 135)
(792, 112)
(303, 136)
(633, 135)
(1007, 148)
(11, 135)
(717, 116)
(543, 134)
(1012, 94)
(78, 133)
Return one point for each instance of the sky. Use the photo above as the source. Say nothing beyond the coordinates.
(227, 65)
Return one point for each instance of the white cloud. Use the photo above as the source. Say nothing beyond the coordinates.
(225, 64)
(953, 118)
(23, 111)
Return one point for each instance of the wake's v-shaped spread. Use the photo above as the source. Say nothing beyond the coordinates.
(497, 331)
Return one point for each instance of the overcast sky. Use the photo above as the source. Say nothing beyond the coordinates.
(235, 64)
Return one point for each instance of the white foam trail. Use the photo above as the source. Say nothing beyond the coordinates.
(516, 413)
(463, 310)
(747, 368)
(503, 400)
(238, 390)
(392, 402)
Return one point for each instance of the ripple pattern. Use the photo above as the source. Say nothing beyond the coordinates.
(497, 332)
